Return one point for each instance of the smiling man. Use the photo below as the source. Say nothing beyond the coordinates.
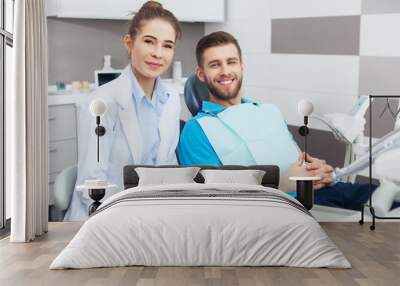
(232, 130)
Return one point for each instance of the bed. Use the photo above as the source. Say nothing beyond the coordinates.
(199, 224)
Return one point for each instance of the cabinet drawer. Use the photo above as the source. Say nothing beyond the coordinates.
(62, 122)
(62, 154)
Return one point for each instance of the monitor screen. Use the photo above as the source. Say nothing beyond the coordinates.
(105, 77)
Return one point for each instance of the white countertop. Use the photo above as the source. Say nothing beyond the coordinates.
(70, 97)
(67, 98)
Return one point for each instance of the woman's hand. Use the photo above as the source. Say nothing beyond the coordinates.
(318, 168)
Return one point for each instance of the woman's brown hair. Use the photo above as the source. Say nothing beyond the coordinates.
(153, 10)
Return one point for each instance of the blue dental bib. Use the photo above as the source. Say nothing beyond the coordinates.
(249, 134)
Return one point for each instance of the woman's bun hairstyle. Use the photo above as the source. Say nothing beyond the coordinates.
(153, 10)
(151, 4)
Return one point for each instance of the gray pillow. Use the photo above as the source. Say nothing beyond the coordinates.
(248, 177)
(166, 176)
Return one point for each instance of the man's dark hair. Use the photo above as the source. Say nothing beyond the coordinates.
(215, 39)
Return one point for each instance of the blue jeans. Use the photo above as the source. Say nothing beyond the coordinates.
(345, 195)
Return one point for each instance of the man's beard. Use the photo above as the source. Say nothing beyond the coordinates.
(222, 95)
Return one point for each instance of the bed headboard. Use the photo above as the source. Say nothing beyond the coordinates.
(270, 179)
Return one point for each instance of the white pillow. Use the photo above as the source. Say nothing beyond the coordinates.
(248, 177)
(166, 176)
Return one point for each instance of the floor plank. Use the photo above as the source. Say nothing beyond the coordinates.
(374, 255)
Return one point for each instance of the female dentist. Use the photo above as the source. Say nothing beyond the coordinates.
(142, 118)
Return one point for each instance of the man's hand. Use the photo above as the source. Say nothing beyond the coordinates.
(318, 168)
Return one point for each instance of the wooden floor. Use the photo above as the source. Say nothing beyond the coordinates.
(374, 255)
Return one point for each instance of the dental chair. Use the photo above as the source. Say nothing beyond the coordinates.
(349, 129)
(194, 93)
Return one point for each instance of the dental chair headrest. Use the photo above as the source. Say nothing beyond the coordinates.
(195, 92)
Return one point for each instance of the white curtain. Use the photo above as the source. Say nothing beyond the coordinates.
(26, 124)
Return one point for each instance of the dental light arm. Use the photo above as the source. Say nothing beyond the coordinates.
(346, 127)
(389, 142)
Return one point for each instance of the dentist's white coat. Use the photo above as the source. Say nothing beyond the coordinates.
(122, 143)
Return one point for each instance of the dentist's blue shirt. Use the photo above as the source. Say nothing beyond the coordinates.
(148, 114)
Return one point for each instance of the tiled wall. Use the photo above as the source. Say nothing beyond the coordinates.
(326, 51)
(380, 57)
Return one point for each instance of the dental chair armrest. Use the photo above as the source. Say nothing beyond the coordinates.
(64, 186)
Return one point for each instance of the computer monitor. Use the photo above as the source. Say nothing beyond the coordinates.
(103, 76)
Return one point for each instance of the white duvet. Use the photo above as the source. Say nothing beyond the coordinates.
(183, 231)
